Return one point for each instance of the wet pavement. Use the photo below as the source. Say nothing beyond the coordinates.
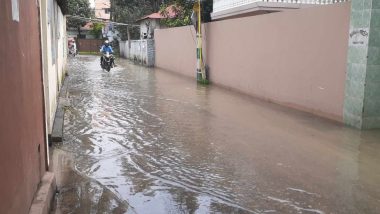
(140, 140)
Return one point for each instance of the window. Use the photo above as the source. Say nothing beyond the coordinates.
(107, 10)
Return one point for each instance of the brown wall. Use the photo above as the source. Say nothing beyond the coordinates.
(89, 45)
(295, 58)
(21, 108)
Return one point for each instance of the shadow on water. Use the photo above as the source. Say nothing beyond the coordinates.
(146, 141)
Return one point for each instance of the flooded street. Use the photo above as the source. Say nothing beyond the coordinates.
(140, 140)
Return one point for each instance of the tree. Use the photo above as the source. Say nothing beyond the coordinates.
(156, 4)
(129, 11)
(97, 29)
(181, 8)
(78, 8)
(184, 9)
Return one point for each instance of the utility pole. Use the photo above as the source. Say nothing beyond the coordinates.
(197, 22)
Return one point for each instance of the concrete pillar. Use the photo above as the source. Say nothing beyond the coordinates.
(362, 99)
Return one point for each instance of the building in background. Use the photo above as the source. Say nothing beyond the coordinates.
(143, 50)
(148, 24)
(103, 12)
(103, 9)
(151, 22)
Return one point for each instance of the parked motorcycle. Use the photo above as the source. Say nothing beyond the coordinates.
(107, 61)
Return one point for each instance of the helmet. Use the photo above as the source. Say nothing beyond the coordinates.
(106, 43)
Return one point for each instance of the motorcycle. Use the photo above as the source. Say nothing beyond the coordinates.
(72, 52)
(107, 61)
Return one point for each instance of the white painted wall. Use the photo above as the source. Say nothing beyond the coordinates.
(220, 5)
(54, 55)
(142, 51)
(61, 40)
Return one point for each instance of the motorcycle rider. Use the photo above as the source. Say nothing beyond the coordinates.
(72, 47)
(106, 47)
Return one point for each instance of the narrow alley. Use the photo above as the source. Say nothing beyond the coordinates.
(143, 140)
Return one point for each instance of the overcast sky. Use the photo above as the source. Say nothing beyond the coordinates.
(92, 3)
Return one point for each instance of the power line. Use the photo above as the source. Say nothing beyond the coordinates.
(100, 21)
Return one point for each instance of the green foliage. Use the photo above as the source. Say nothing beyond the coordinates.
(184, 9)
(78, 8)
(97, 29)
(129, 11)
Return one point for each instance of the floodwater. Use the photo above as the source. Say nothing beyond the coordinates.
(140, 140)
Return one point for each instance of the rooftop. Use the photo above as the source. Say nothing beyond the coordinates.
(170, 12)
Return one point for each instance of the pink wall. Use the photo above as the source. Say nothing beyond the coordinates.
(295, 58)
(22, 136)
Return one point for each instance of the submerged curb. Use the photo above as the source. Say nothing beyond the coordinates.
(43, 199)
(57, 132)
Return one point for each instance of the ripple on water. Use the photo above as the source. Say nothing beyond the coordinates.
(161, 151)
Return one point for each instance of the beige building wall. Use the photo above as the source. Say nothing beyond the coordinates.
(100, 9)
(295, 58)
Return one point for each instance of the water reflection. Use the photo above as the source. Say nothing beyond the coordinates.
(162, 144)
